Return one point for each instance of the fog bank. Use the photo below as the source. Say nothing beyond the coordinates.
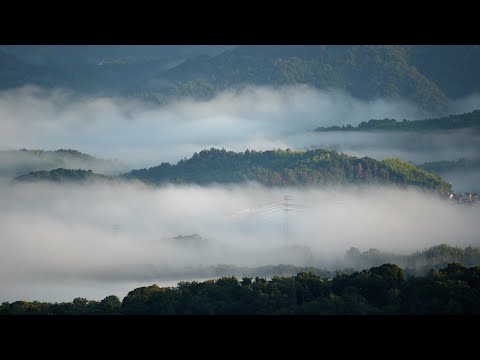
(107, 236)
(144, 134)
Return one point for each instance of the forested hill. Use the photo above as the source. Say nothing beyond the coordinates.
(288, 168)
(429, 76)
(63, 176)
(379, 290)
(366, 72)
(18, 162)
(451, 122)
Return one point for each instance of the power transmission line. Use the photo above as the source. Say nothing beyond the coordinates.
(273, 213)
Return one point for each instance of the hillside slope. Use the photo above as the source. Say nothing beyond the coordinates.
(288, 168)
(429, 76)
(62, 176)
(367, 72)
(452, 122)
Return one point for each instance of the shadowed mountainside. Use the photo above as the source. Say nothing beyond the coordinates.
(429, 76)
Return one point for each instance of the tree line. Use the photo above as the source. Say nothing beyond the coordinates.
(438, 167)
(380, 290)
(270, 168)
(288, 168)
(451, 122)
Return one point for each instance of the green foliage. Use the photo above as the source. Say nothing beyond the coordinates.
(270, 168)
(438, 167)
(429, 76)
(410, 174)
(288, 168)
(62, 175)
(367, 72)
(453, 67)
(451, 122)
(453, 290)
(111, 304)
(79, 306)
(379, 290)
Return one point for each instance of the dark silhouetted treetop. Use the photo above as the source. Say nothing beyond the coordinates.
(454, 289)
(468, 120)
(62, 175)
(438, 167)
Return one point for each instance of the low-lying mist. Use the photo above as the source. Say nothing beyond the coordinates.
(108, 235)
(93, 240)
(467, 180)
(417, 147)
(142, 134)
(17, 162)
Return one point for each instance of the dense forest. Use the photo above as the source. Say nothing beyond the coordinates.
(288, 168)
(451, 122)
(429, 76)
(63, 176)
(380, 290)
(270, 168)
(94, 69)
(62, 235)
(366, 72)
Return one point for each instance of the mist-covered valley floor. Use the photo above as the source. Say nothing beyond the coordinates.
(107, 236)
(60, 241)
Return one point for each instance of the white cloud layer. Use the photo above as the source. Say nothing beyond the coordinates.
(145, 134)
(53, 237)
(58, 234)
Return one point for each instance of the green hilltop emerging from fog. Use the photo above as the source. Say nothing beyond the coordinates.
(431, 81)
(270, 168)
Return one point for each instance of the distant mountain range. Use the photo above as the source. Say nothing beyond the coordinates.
(270, 168)
(429, 76)
(438, 167)
(452, 122)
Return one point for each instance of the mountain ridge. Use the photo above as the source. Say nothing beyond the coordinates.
(428, 76)
(470, 120)
(271, 168)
